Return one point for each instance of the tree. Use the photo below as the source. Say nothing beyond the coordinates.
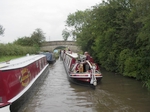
(37, 37)
(65, 34)
(1, 30)
(24, 41)
(35, 40)
(116, 33)
(75, 22)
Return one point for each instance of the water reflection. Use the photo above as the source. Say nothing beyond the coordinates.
(114, 94)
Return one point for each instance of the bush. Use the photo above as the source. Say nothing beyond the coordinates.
(16, 50)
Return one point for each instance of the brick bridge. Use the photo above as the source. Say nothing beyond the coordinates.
(52, 45)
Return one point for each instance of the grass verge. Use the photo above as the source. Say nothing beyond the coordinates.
(7, 58)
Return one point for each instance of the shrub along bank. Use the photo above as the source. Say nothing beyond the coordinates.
(13, 50)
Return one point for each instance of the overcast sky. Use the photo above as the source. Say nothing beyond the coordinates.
(21, 17)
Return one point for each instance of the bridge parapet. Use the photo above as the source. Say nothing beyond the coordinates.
(54, 43)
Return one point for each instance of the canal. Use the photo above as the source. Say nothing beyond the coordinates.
(114, 94)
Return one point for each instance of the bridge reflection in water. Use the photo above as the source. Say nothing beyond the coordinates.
(114, 94)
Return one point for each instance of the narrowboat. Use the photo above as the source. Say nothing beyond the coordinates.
(79, 70)
(50, 57)
(17, 76)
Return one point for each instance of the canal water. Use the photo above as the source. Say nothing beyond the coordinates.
(114, 94)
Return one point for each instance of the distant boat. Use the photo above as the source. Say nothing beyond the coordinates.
(75, 66)
(17, 76)
(50, 57)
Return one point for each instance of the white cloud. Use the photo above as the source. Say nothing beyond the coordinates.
(21, 17)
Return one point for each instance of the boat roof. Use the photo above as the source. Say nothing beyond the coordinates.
(49, 56)
(20, 62)
(73, 55)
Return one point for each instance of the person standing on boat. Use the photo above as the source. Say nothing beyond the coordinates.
(68, 50)
(88, 57)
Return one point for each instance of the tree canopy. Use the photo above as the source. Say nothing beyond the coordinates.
(116, 34)
(36, 38)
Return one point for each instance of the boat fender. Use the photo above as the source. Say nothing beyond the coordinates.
(95, 83)
(27, 54)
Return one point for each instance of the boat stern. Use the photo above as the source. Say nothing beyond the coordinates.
(86, 77)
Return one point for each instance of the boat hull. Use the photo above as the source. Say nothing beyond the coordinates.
(83, 81)
(18, 76)
(15, 106)
(51, 61)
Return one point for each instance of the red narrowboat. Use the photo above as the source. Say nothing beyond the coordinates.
(80, 70)
(17, 76)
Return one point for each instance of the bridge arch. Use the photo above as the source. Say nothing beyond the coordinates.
(60, 47)
(52, 45)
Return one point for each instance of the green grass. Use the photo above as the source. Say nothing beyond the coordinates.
(7, 58)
